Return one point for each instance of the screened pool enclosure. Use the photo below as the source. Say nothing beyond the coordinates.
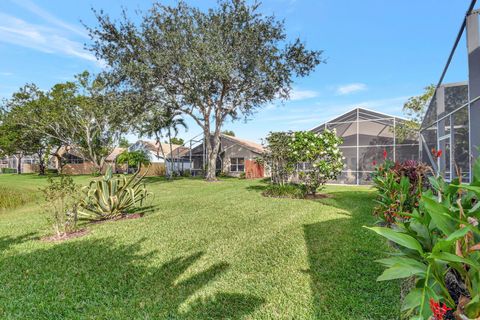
(452, 120)
(367, 136)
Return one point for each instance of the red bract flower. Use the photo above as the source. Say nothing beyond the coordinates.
(439, 153)
(374, 162)
(385, 154)
(438, 310)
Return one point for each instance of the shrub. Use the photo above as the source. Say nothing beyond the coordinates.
(61, 196)
(294, 191)
(186, 173)
(399, 187)
(8, 170)
(440, 246)
(111, 196)
(318, 154)
(243, 175)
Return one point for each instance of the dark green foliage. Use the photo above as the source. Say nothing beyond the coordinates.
(134, 159)
(440, 245)
(290, 190)
(229, 133)
(308, 158)
(415, 109)
(176, 140)
(399, 186)
(123, 143)
(211, 65)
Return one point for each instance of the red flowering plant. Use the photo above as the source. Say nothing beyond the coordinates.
(399, 187)
(439, 246)
(438, 309)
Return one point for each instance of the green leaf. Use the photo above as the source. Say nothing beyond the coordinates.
(476, 172)
(449, 257)
(440, 215)
(403, 270)
(472, 309)
(412, 299)
(460, 233)
(400, 238)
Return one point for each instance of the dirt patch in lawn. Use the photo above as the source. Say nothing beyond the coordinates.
(66, 236)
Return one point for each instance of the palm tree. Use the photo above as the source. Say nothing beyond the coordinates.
(161, 122)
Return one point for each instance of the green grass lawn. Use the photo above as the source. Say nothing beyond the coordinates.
(207, 251)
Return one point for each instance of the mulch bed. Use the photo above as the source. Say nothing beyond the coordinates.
(125, 217)
(66, 236)
(307, 197)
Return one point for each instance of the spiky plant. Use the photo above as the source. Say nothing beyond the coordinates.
(111, 197)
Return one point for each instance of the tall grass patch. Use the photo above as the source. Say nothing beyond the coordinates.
(11, 198)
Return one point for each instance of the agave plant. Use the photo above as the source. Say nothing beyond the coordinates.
(111, 196)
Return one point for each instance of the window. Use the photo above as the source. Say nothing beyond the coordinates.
(237, 164)
(72, 159)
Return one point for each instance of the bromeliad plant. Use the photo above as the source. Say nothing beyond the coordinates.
(440, 246)
(111, 197)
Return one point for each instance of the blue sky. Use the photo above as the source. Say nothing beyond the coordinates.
(378, 52)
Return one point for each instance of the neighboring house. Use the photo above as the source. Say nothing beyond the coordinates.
(236, 156)
(160, 159)
(73, 163)
(29, 164)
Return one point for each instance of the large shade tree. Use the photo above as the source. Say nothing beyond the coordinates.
(18, 136)
(81, 115)
(213, 66)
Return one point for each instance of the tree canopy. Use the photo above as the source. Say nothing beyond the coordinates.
(81, 115)
(222, 63)
(414, 108)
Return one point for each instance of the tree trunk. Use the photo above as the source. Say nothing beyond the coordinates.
(19, 164)
(171, 151)
(41, 163)
(212, 154)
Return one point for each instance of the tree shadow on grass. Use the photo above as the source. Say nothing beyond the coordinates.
(7, 241)
(342, 269)
(256, 188)
(99, 279)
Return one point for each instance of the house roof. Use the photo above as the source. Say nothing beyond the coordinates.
(252, 146)
(155, 147)
(114, 154)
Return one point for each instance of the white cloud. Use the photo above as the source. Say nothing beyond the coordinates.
(351, 88)
(39, 37)
(47, 16)
(297, 95)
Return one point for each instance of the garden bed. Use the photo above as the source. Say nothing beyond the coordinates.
(66, 236)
